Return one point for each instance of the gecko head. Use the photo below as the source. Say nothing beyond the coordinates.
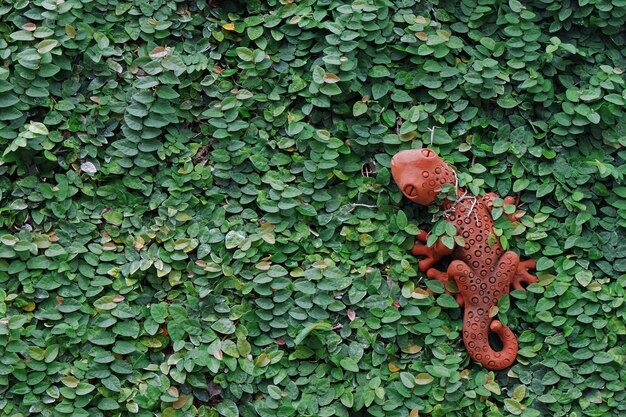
(420, 173)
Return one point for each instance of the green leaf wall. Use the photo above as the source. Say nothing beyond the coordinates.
(197, 216)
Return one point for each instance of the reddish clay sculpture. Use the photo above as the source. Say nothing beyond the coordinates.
(482, 272)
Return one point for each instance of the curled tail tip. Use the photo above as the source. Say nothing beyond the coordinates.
(496, 326)
(503, 358)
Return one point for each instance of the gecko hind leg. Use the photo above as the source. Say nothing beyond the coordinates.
(432, 254)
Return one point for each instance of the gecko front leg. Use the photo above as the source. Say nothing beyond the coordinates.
(522, 276)
(432, 253)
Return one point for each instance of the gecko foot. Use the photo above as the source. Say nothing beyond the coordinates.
(432, 254)
(522, 276)
(513, 216)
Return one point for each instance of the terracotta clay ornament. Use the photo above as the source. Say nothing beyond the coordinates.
(482, 272)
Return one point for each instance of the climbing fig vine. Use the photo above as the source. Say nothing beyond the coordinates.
(198, 217)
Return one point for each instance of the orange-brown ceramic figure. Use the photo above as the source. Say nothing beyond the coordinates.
(482, 272)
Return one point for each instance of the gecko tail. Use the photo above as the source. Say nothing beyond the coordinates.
(507, 355)
(481, 351)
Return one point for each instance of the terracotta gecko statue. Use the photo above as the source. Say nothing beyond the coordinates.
(482, 272)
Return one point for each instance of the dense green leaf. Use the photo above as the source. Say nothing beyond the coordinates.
(349, 364)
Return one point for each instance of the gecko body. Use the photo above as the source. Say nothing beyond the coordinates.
(483, 272)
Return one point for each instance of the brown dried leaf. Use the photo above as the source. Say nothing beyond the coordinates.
(419, 294)
(263, 265)
(351, 315)
(180, 402)
(139, 243)
(412, 349)
(331, 78)
(173, 391)
(160, 52)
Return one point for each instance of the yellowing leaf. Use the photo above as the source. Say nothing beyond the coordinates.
(229, 26)
(423, 378)
(263, 360)
(180, 402)
(519, 392)
(263, 265)
(269, 238)
(152, 342)
(70, 381)
(46, 45)
(493, 387)
(183, 217)
(71, 32)
(320, 265)
(38, 128)
(443, 34)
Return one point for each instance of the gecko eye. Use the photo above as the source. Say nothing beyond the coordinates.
(410, 190)
(428, 153)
